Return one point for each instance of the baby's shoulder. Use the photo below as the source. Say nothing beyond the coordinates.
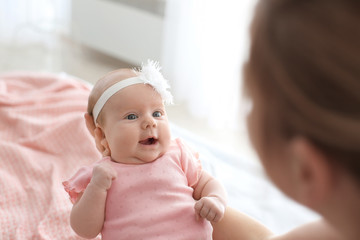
(179, 148)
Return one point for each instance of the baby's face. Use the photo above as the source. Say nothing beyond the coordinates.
(135, 125)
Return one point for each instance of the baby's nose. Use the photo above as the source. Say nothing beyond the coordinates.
(149, 122)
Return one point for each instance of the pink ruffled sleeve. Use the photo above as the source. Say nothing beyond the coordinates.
(77, 183)
(190, 163)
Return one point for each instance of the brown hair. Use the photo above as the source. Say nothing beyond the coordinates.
(304, 65)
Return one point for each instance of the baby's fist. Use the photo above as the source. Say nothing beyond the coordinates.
(102, 176)
(211, 208)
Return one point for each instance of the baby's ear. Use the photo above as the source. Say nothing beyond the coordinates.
(101, 141)
(90, 123)
(97, 133)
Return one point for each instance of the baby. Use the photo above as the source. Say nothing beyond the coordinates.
(147, 186)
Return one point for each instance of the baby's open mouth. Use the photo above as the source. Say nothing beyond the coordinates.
(148, 141)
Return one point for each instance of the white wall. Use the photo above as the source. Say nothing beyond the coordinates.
(122, 31)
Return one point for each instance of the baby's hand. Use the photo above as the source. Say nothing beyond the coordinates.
(102, 176)
(211, 208)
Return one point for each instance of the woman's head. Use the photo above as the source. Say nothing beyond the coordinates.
(303, 76)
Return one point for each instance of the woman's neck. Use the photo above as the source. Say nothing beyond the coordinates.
(342, 209)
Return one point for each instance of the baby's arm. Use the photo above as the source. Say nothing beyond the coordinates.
(211, 198)
(87, 214)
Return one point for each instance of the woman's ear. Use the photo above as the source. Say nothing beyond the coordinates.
(312, 173)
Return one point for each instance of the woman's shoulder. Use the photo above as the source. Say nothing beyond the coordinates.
(318, 230)
(237, 225)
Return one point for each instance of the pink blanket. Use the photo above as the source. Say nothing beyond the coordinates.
(43, 140)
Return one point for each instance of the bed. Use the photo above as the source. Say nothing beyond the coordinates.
(43, 140)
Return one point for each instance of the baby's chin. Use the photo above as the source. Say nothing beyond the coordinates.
(138, 160)
(151, 157)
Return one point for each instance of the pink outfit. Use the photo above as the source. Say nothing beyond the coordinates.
(153, 200)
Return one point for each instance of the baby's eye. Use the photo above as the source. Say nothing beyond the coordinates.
(157, 114)
(131, 117)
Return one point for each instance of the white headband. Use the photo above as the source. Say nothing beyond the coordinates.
(148, 74)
